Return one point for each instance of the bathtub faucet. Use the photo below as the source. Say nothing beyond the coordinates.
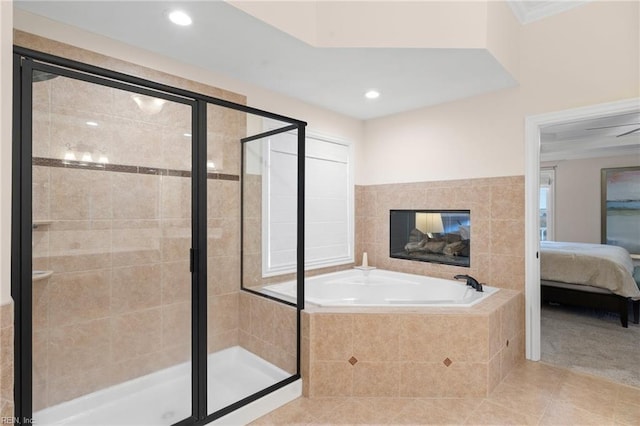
(471, 282)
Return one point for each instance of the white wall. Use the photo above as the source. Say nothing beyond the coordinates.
(6, 72)
(588, 55)
(578, 196)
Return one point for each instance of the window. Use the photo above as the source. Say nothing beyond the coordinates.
(329, 220)
(547, 183)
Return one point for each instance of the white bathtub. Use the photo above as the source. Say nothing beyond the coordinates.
(377, 287)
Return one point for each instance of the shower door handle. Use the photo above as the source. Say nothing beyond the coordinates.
(192, 259)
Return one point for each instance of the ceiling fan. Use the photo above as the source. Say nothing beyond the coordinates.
(619, 125)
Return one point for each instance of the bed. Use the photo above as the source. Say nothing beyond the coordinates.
(590, 275)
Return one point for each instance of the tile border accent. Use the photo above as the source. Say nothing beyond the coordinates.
(122, 168)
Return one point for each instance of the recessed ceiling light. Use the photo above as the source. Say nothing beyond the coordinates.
(372, 94)
(179, 17)
(91, 123)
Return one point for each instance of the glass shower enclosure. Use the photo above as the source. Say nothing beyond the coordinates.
(136, 215)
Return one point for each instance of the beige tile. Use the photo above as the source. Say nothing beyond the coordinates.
(217, 342)
(331, 337)
(135, 288)
(565, 413)
(77, 348)
(437, 380)
(507, 237)
(376, 379)
(175, 241)
(80, 194)
(78, 297)
(331, 378)
(80, 383)
(176, 324)
(262, 318)
(135, 196)
(441, 411)
(489, 413)
(136, 334)
(81, 95)
(223, 274)
(627, 413)
(223, 313)
(175, 202)
(593, 399)
(507, 202)
(223, 237)
(285, 326)
(40, 356)
(376, 337)
(244, 320)
(40, 304)
(176, 282)
(136, 242)
(527, 400)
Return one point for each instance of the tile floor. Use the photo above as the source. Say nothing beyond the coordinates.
(533, 394)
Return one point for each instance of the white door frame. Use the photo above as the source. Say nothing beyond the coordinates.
(533, 124)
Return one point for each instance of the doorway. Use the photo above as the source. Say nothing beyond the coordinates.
(533, 126)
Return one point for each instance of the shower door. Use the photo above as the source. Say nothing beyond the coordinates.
(132, 245)
(109, 170)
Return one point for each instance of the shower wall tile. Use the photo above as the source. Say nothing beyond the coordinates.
(222, 312)
(81, 95)
(176, 282)
(268, 329)
(79, 347)
(223, 275)
(77, 297)
(136, 334)
(135, 196)
(41, 191)
(176, 325)
(135, 242)
(175, 197)
(135, 288)
(80, 195)
(175, 239)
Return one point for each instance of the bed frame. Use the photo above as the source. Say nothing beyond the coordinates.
(589, 299)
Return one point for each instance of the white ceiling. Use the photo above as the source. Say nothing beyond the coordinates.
(598, 137)
(228, 41)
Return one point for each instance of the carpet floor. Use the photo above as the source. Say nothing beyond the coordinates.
(592, 342)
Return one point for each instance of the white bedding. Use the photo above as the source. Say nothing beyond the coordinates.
(597, 265)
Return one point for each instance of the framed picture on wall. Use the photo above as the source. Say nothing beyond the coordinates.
(620, 215)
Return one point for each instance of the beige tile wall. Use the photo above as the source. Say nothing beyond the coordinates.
(268, 329)
(405, 352)
(6, 361)
(119, 302)
(497, 225)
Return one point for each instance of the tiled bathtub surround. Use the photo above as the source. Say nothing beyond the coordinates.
(497, 225)
(412, 352)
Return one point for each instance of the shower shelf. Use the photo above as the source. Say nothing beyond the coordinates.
(38, 223)
(40, 275)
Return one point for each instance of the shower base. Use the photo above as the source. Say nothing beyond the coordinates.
(164, 397)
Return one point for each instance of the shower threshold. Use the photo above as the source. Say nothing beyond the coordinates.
(164, 397)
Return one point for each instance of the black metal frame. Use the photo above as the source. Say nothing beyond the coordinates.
(27, 60)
